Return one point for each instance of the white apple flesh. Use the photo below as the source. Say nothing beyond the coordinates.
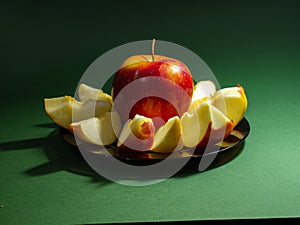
(137, 134)
(168, 138)
(65, 110)
(86, 92)
(98, 131)
(232, 102)
(205, 124)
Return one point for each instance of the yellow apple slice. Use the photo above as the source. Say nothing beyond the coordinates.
(65, 110)
(195, 125)
(232, 102)
(203, 89)
(203, 92)
(137, 134)
(194, 105)
(168, 137)
(86, 92)
(98, 131)
(221, 126)
(205, 123)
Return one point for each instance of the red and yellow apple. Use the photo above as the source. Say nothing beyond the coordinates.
(154, 107)
(159, 88)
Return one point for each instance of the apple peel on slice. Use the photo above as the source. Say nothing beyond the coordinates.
(99, 131)
(86, 92)
(137, 134)
(65, 110)
(168, 138)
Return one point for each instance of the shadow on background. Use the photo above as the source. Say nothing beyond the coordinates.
(63, 156)
(60, 154)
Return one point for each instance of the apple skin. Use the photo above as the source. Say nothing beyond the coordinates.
(171, 75)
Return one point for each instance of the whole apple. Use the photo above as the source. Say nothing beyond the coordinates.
(158, 87)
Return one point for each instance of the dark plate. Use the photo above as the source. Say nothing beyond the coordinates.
(229, 149)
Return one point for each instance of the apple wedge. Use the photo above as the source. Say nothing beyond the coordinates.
(65, 110)
(168, 137)
(195, 125)
(232, 102)
(203, 92)
(221, 126)
(194, 105)
(86, 92)
(203, 89)
(205, 124)
(99, 131)
(137, 134)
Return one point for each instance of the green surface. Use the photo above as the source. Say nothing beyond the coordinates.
(47, 47)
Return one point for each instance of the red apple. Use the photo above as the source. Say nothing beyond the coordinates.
(153, 86)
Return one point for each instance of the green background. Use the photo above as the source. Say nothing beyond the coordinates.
(45, 49)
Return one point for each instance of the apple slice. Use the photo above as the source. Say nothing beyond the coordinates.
(98, 131)
(195, 125)
(203, 89)
(221, 126)
(65, 110)
(168, 137)
(203, 92)
(137, 134)
(86, 92)
(194, 105)
(205, 123)
(232, 102)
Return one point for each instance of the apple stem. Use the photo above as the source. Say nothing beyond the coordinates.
(153, 43)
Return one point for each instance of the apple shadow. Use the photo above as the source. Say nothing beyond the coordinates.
(219, 159)
(61, 155)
